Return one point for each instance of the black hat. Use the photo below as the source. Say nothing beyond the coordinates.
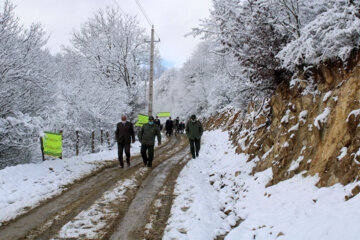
(151, 118)
(193, 116)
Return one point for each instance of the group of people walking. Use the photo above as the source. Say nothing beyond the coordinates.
(176, 126)
(125, 135)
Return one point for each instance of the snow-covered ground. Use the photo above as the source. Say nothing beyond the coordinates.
(88, 223)
(25, 186)
(215, 196)
(215, 193)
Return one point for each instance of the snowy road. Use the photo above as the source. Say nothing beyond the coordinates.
(94, 207)
(136, 217)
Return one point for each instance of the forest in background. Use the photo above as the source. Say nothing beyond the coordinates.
(85, 88)
(250, 46)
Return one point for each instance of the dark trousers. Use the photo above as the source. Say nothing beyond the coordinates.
(195, 149)
(121, 148)
(147, 158)
(169, 131)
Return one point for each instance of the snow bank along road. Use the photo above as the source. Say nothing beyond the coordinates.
(115, 203)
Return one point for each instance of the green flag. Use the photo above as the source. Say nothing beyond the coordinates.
(138, 124)
(142, 120)
(52, 143)
(164, 114)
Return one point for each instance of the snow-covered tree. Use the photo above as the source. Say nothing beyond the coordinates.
(270, 38)
(85, 88)
(23, 76)
(113, 49)
(113, 45)
(102, 75)
(26, 84)
(332, 35)
(205, 84)
(245, 29)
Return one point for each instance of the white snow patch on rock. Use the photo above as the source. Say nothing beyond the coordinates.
(327, 95)
(285, 118)
(322, 118)
(267, 153)
(356, 155)
(343, 152)
(354, 112)
(302, 116)
(296, 164)
(294, 128)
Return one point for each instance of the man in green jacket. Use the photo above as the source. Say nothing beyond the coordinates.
(147, 138)
(194, 132)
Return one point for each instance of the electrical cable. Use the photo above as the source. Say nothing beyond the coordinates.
(144, 13)
(117, 4)
(146, 16)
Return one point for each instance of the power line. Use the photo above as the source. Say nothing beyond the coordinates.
(117, 4)
(144, 13)
(146, 16)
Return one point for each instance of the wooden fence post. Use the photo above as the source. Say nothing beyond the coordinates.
(102, 136)
(108, 139)
(42, 149)
(77, 143)
(93, 141)
(61, 131)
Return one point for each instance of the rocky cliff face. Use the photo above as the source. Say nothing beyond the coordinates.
(309, 126)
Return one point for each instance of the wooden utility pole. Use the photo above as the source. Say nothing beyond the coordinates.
(150, 109)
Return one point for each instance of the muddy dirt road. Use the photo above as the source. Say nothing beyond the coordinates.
(129, 203)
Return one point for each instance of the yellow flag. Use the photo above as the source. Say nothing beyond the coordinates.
(143, 119)
(138, 124)
(52, 143)
(164, 114)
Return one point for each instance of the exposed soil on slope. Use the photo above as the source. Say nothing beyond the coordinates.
(309, 126)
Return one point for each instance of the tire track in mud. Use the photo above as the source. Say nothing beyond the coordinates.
(138, 215)
(161, 206)
(47, 219)
(120, 209)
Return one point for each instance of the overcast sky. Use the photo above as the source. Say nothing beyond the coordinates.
(172, 20)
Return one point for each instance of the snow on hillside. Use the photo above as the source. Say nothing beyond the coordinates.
(217, 196)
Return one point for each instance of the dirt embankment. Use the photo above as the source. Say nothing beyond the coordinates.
(311, 125)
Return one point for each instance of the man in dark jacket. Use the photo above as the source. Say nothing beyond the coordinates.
(147, 138)
(123, 134)
(182, 127)
(157, 122)
(169, 126)
(194, 132)
(177, 125)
